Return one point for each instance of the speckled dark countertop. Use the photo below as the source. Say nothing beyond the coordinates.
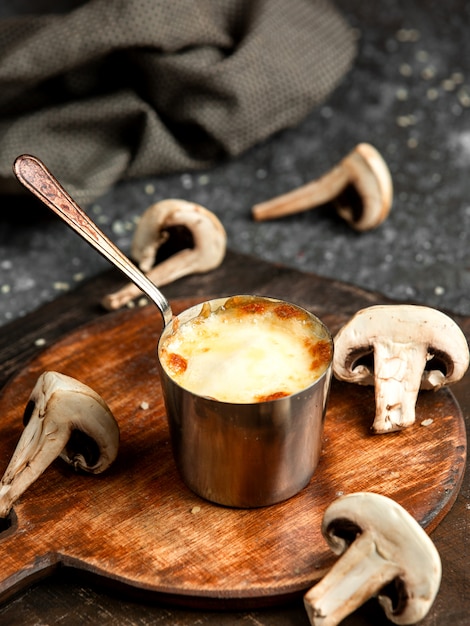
(408, 94)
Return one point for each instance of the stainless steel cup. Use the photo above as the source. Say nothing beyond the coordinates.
(245, 455)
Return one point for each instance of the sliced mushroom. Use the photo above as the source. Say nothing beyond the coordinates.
(385, 552)
(400, 349)
(360, 186)
(208, 238)
(65, 418)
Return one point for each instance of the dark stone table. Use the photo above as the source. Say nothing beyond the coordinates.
(408, 94)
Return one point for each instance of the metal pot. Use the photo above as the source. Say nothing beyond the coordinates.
(245, 455)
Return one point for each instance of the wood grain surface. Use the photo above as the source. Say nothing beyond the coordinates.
(69, 593)
(139, 525)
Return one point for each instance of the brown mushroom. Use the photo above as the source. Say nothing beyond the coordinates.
(384, 553)
(208, 239)
(360, 187)
(65, 418)
(399, 349)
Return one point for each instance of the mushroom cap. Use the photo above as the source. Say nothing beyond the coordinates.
(368, 198)
(399, 539)
(405, 325)
(78, 411)
(208, 234)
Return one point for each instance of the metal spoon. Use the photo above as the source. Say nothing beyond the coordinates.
(35, 176)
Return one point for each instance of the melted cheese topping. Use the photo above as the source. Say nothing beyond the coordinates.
(248, 350)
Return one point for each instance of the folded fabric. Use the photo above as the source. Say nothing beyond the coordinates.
(118, 89)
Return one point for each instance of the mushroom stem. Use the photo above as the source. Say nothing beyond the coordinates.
(309, 196)
(360, 186)
(162, 274)
(34, 452)
(355, 578)
(398, 375)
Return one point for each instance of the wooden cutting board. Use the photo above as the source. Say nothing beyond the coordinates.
(139, 527)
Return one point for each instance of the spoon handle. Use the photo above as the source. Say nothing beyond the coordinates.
(35, 176)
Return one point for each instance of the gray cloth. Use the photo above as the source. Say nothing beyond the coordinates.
(118, 89)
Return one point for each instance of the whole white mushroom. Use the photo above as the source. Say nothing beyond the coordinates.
(63, 418)
(384, 552)
(399, 349)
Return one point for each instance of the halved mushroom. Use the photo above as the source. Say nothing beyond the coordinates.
(360, 187)
(399, 349)
(385, 552)
(65, 418)
(206, 251)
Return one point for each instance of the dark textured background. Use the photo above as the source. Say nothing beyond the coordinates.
(408, 94)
